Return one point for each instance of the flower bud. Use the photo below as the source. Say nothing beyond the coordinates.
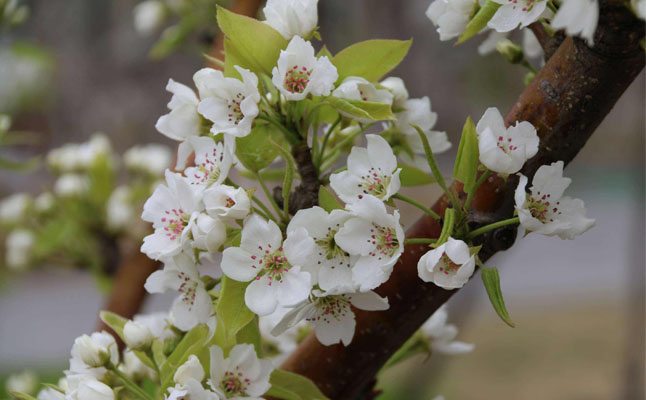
(94, 390)
(137, 335)
(512, 52)
(191, 369)
(91, 353)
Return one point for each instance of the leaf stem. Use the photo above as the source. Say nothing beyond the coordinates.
(132, 387)
(419, 241)
(495, 225)
(417, 204)
(319, 158)
(273, 203)
(348, 140)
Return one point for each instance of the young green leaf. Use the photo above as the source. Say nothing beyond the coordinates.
(447, 227)
(412, 176)
(362, 109)
(192, 343)
(256, 44)
(324, 52)
(255, 150)
(232, 312)
(114, 321)
(327, 201)
(479, 21)
(466, 161)
(289, 175)
(371, 59)
(491, 281)
(250, 333)
(291, 386)
(21, 396)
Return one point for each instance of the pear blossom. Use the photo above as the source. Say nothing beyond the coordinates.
(398, 89)
(292, 17)
(505, 150)
(578, 18)
(182, 121)
(371, 171)
(450, 17)
(149, 15)
(193, 306)
(300, 73)
(172, 209)
(18, 248)
(80, 156)
(213, 162)
(208, 233)
(231, 104)
(22, 382)
(226, 202)
(286, 342)
(531, 46)
(85, 387)
(639, 7)
(449, 266)
(14, 207)
(71, 184)
(442, 335)
(513, 13)
(191, 369)
(49, 393)
(329, 265)
(44, 202)
(241, 375)
(137, 335)
(134, 368)
(490, 44)
(358, 88)
(545, 210)
(376, 236)
(91, 353)
(331, 314)
(152, 158)
(158, 323)
(273, 266)
(119, 209)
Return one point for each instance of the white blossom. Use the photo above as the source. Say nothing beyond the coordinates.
(505, 150)
(22, 382)
(152, 158)
(578, 18)
(450, 17)
(86, 387)
(137, 335)
(358, 88)
(172, 209)
(241, 375)
(91, 353)
(191, 369)
(226, 202)
(300, 73)
(287, 341)
(193, 306)
(182, 121)
(71, 184)
(545, 210)
(371, 171)
(158, 323)
(292, 17)
(449, 266)
(513, 13)
(18, 248)
(119, 208)
(329, 265)
(208, 233)
(639, 7)
(376, 236)
(398, 89)
(213, 161)
(14, 207)
(272, 265)
(44, 202)
(531, 46)
(50, 394)
(149, 15)
(442, 335)
(231, 104)
(331, 314)
(134, 368)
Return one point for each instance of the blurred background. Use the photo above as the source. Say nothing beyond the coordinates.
(77, 67)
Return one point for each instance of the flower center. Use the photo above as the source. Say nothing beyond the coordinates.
(540, 207)
(331, 308)
(328, 246)
(448, 266)
(229, 202)
(296, 79)
(375, 182)
(209, 171)
(235, 113)
(175, 221)
(385, 241)
(234, 383)
(526, 5)
(187, 289)
(506, 145)
(273, 263)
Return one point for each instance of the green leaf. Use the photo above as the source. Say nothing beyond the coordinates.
(491, 281)
(255, 150)
(114, 321)
(171, 39)
(192, 343)
(371, 59)
(257, 45)
(479, 21)
(232, 312)
(289, 175)
(324, 52)
(327, 200)
(290, 386)
(412, 176)
(157, 349)
(447, 227)
(267, 175)
(250, 333)
(362, 109)
(466, 161)
(21, 396)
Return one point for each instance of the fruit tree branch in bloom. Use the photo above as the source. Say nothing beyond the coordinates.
(566, 101)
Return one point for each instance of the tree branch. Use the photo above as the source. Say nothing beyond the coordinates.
(566, 102)
(548, 42)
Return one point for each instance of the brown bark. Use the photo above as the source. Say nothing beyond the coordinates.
(566, 102)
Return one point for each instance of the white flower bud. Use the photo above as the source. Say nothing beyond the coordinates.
(90, 352)
(137, 335)
(149, 16)
(191, 369)
(94, 390)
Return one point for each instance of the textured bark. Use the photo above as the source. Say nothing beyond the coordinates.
(566, 102)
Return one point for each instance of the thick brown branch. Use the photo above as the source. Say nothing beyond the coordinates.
(566, 102)
(548, 42)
